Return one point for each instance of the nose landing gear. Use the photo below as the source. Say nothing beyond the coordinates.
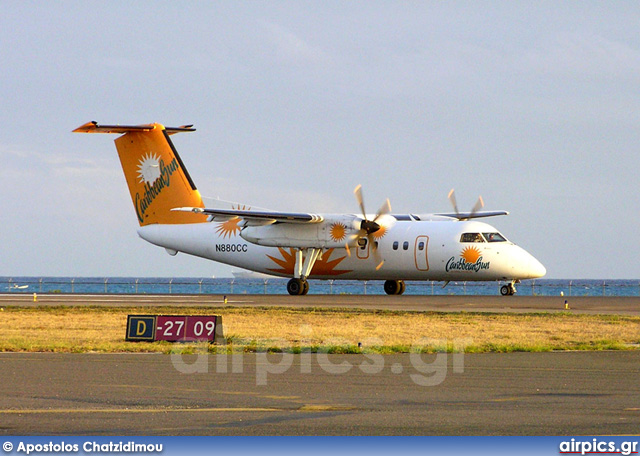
(509, 289)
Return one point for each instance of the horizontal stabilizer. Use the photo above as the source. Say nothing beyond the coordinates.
(94, 127)
(155, 174)
(258, 216)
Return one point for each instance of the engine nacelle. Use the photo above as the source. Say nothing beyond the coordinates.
(332, 232)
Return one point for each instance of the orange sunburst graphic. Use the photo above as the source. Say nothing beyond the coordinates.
(323, 267)
(230, 228)
(380, 233)
(470, 254)
(338, 231)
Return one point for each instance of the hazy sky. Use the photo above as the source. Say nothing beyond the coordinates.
(533, 105)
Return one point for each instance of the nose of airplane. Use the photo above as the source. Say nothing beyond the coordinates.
(536, 268)
(526, 266)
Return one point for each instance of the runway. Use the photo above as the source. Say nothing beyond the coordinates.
(578, 393)
(510, 304)
(563, 393)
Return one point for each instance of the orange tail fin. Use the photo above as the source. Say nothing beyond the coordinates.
(157, 178)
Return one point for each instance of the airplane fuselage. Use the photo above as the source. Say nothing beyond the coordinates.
(412, 250)
(301, 245)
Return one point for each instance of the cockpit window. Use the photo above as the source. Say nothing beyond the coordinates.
(494, 237)
(472, 237)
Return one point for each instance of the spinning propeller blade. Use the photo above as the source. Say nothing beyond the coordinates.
(452, 198)
(466, 215)
(369, 227)
(479, 205)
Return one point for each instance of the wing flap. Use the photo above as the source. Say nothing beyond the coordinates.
(255, 216)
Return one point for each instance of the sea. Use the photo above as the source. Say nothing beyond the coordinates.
(277, 286)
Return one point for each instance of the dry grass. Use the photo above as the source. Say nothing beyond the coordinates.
(72, 329)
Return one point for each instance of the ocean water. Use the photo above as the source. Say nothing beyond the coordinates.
(229, 286)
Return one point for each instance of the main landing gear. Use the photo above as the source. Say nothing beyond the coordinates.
(305, 259)
(509, 289)
(394, 287)
(298, 287)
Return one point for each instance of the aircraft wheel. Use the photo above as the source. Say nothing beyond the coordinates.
(390, 287)
(305, 287)
(403, 286)
(507, 290)
(394, 287)
(295, 287)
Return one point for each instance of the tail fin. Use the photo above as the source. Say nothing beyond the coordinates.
(157, 178)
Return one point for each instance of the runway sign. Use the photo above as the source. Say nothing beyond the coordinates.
(175, 328)
(141, 328)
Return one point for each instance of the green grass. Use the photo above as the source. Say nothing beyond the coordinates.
(325, 330)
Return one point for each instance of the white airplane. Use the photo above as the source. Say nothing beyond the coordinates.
(385, 246)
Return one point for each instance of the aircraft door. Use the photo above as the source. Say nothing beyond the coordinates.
(362, 248)
(420, 253)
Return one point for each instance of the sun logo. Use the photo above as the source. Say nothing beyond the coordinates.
(470, 254)
(380, 233)
(231, 227)
(149, 169)
(338, 232)
(325, 266)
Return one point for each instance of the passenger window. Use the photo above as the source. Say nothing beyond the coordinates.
(471, 237)
(420, 245)
(405, 245)
(395, 245)
(494, 237)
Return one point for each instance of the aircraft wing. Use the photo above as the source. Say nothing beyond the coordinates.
(472, 215)
(255, 217)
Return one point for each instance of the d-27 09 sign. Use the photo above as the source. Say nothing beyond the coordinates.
(174, 328)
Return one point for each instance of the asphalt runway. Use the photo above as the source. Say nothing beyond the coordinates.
(510, 304)
(564, 393)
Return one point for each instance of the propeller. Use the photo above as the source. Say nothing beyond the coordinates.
(369, 227)
(452, 199)
(479, 205)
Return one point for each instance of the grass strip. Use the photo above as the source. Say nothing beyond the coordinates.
(102, 329)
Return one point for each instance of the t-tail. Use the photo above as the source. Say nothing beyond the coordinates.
(156, 176)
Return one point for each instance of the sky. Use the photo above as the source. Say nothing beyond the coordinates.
(533, 105)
